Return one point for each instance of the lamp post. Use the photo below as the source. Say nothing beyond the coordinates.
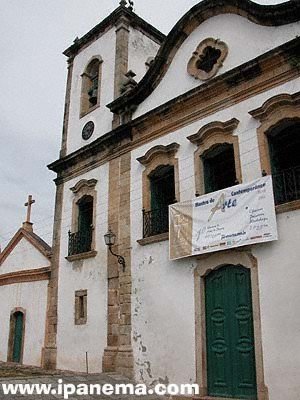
(110, 239)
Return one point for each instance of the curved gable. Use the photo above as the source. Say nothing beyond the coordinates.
(222, 19)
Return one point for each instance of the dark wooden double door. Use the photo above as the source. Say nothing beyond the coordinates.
(229, 333)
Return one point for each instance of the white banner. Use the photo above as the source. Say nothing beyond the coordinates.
(236, 216)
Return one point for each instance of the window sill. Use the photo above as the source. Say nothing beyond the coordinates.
(154, 239)
(82, 256)
(83, 114)
(285, 207)
(81, 321)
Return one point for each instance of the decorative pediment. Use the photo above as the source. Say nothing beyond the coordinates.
(274, 103)
(84, 183)
(214, 128)
(32, 238)
(159, 150)
(207, 59)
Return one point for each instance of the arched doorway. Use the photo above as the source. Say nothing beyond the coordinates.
(231, 370)
(16, 336)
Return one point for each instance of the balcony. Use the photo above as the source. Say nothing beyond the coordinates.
(286, 185)
(155, 222)
(80, 242)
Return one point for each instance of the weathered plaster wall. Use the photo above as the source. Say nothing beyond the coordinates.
(24, 256)
(279, 277)
(141, 47)
(32, 297)
(101, 116)
(244, 39)
(163, 291)
(73, 341)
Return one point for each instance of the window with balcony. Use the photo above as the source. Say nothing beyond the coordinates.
(162, 193)
(160, 189)
(278, 136)
(81, 241)
(217, 156)
(284, 150)
(219, 167)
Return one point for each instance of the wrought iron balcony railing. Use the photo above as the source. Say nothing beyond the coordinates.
(155, 222)
(80, 242)
(286, 185)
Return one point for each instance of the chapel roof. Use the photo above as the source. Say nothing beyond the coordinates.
(32, 238)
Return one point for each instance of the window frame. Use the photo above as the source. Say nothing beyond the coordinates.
(78, 318)
(83, 188)
(85, 78)
(210, 135)
(277, 110)
(155, 157)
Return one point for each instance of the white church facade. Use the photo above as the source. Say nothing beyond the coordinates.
(151, 120)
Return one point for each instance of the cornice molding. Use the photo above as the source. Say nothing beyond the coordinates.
(272, 104)
(155, 151)
(90, 183)
(267, 15)
(214, 128)
(28, 275)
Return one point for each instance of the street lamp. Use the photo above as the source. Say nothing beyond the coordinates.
(110, 239)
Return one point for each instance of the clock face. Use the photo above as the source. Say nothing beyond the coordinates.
(88, 130)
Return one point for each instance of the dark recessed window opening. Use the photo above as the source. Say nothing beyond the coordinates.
(81, 241)
(93, 82)
(284, 149)
(80, 307)
(162, 192)
(208, 59)
(219, 168)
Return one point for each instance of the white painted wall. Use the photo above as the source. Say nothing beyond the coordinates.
(101, 116)
(140, 48)
(163, 291)
(74, 340)
(32, 297)
(245, 41)
(24, 256)
(279, 277)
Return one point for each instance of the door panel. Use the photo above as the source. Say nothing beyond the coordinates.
(217, 335)
(243, 356)
(229, 330)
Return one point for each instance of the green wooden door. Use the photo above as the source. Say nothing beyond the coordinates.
(229, 334)
(18, 337)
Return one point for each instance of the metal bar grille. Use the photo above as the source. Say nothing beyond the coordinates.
(80, 242)
(155, 222)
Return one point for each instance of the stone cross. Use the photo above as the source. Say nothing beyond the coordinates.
(29, 203)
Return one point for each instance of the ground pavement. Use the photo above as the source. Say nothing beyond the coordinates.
(18, 375)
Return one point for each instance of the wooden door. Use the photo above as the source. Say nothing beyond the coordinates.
(229, 333)
(18, 337)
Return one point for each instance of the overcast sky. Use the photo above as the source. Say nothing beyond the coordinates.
(33, 34)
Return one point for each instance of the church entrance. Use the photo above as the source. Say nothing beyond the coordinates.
(231, 368)
(16, 336)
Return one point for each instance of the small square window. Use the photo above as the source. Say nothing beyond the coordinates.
(80, 307)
